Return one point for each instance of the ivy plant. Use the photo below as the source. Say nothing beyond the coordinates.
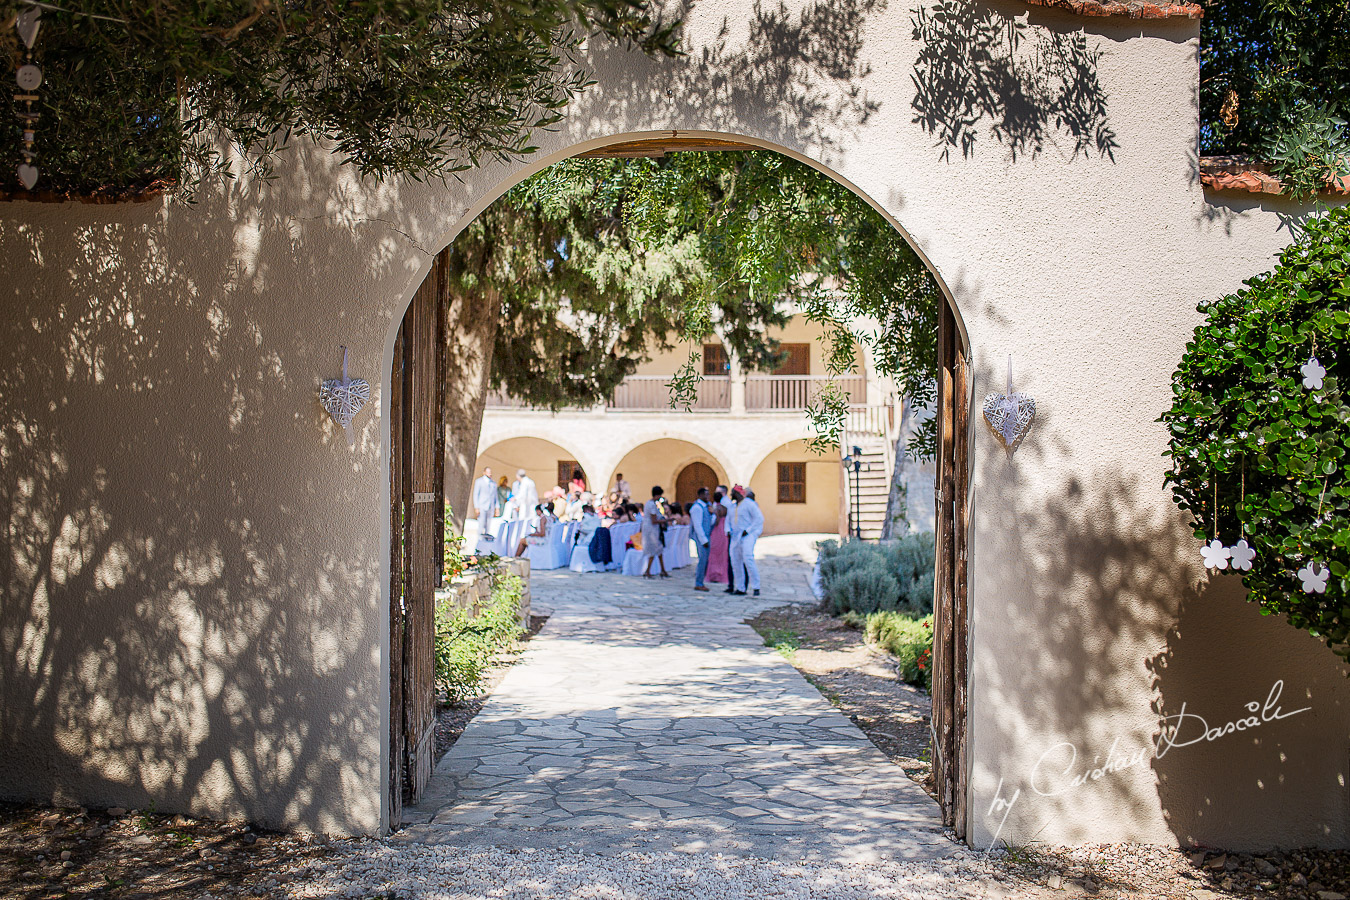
(1259, 451)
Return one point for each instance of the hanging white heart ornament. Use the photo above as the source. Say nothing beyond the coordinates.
(344, 397)
(1009, 414)
(28, 175)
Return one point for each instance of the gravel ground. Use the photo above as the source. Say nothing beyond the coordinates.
(374, 869)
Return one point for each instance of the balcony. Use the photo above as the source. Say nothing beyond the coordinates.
(763, 393)
(788, 392)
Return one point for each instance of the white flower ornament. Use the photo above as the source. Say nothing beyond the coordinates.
(1215, 554)
(1314, 577)
(1242, 555)
(1313, 373)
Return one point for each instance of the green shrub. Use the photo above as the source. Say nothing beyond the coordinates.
(1259, 446)
(466, 644)
(909, 640)
(865, 577)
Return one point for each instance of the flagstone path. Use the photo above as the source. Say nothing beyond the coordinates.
(648, 716)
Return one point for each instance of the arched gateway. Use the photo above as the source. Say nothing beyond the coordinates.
(197, 582)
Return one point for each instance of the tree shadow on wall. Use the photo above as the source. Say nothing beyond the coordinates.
(172, 628)
(1282, 783)
(796, 78)
(1115, 626)
(981, 70)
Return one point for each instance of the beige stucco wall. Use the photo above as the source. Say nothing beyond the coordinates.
(824, 486)
(194, 567)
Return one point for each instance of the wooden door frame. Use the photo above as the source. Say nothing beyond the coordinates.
(417, 522)
(951, 614)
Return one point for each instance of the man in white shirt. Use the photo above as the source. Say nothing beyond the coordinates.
(730, 506)
(621, 487)
(749, 524)
(485, 504)
(524, 494)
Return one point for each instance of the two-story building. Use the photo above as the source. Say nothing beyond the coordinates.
(743, 427)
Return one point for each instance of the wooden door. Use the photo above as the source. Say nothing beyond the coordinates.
(691, 478)
(950, 622)
(798, 360)
(417, 520)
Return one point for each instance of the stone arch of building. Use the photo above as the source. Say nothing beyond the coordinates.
(680, 450)
(501, 180)
(589, 465)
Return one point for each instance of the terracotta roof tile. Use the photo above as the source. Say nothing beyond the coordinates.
(1126, 9)
(1227, 173)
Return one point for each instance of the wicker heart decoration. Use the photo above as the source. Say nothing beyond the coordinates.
(343, 397)
(1009, 414)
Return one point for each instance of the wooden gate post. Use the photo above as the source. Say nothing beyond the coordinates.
(950, 613)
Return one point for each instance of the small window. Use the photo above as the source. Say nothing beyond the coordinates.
(715, 361)
(792, 482)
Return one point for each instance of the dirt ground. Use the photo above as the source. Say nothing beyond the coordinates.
(859, 680)
(862, 682)
(136, 855)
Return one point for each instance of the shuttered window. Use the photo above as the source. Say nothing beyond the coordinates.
(792, 482)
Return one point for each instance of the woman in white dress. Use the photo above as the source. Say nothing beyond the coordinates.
(653, 517)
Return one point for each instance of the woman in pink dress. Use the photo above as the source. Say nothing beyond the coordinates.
(719, 560)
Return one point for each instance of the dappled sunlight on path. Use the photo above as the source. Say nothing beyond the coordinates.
(646, 715)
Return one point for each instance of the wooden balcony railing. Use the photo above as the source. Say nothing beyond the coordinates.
(795, 391)
(652, 393)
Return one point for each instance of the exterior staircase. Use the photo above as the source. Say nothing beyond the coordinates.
(871, 428)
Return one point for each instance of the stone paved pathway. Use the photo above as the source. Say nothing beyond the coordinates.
(648, 716)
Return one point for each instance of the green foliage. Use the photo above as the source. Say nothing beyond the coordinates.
(1257, 455)
(864, 577)
(770, 228)
(784, 640)
(466, 644)
(141, 91)
(908, 639)
(1275, 85)
(596, 263)
(454, 559)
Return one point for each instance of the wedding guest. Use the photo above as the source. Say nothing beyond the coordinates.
(578, 484)
(653, 519)
(539, 522)
(700, 525)
(719, 563)
(590, 523)
(503, 494)
(485, 503)
(525, 494)
(621, 486)
(747, 526)
(729, 503)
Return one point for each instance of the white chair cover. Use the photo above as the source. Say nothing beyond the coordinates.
(618, 537)
(632, 562)
(676, 554)
(581, 560)
(551, 554)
